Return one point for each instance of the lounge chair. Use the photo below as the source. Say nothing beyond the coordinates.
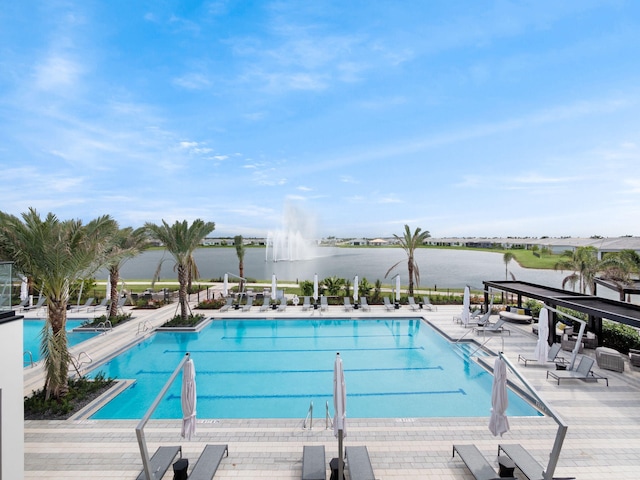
(551, 357)
(248, 305)
(306, 304)
(583, 372)
(266, 303)
(102, 304)
(283, 305)
(86, 305)
(426, 303)
(364, 305)
(412, 303)
(39, 304)
(160, 462)
(497, 327)
(313, 463)
(359, 464)
(208, 462)
(347, 304)
(21, 305)
(121, 302)
(479, 467)
(324, 305)
(525, 462)
(388, 305)
(227, 305)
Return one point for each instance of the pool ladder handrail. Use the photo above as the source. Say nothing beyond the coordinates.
(487, 341)
(309, 417)
(328, 419)
(105, 326)
(144, 327)
(77, 362)
(27, 352)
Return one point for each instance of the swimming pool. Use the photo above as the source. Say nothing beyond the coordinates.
(32, 329)
(275, 368)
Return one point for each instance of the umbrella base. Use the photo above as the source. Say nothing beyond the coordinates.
(333, 465)
(506, 466)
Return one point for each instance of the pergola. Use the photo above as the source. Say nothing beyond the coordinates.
(596, 308)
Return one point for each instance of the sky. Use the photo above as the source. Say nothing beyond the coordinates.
(346, 119)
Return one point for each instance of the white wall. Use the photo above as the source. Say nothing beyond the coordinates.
(12, 407)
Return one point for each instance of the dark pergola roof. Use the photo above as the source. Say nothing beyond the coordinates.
(631, 289)
(597, 307)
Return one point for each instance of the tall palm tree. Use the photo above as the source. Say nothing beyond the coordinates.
(583, 261)
(125, 244)
(506, 258)
(240, 251)
(409, 242)
(181, 240)
(55, 254)
(621, 268)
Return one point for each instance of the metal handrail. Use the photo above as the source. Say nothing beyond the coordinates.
(76, 363)
(27, 352)
(145, 326)
(487, 341)
(144, 452)
(328, 420)
(309, 417)
(105, 326)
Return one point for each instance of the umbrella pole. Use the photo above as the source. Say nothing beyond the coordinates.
(340, 464)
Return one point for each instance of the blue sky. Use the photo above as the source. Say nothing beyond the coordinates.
(463, 118)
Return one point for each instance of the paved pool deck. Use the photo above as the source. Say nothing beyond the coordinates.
(603, 438)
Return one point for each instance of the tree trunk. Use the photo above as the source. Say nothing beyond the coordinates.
(182, 292)
(57, 359)
(410, 276)
(114, 278)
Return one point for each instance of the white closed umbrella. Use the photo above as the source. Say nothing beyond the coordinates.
(466, 304)
(541, 352)
(498, 422)
(225, 285)
(107, 291)
(355, 289)
(315, 287)
(340, 408)
(397, 288)
(24, 289)
(274, 286)
(188, 398)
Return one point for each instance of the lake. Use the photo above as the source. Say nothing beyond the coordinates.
(439, 268)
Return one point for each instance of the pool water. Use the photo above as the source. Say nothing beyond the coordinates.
(32, 335)
(275, 368)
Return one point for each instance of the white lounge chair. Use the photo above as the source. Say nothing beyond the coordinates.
(479, 467)
(347, 304)
(38, 305)
(426, 303)
(364, 305)
(306, 304)
(248, 305)
(324, 305)
(412, 303)
(283, 304)
(582, 372)
(266, 303)
(497, 327)
(86, 305)
(227, 305)
(551, 357)
(388, 305)
(102, 304)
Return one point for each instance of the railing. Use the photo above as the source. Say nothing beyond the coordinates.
(79, 362)
(144, 327)
(27, 352)
(487, 341)
(105, 326)
(328, 420)
(309, 417)
(144, 452)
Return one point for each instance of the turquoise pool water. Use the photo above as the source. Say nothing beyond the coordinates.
(32, 330)
(275, 368)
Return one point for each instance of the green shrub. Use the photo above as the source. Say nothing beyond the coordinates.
(211, 304)
(117, 320)
(619, 336)
(535, 307)
(191, 321)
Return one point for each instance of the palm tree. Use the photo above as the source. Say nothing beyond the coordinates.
(621, 268)
(409, 242)
(583, 261)
(125, 244)
(240, 250)
(55, 254)
(333, 285)
(506, 258)
(181, 240)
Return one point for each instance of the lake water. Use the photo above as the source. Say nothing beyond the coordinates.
(441, 268)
